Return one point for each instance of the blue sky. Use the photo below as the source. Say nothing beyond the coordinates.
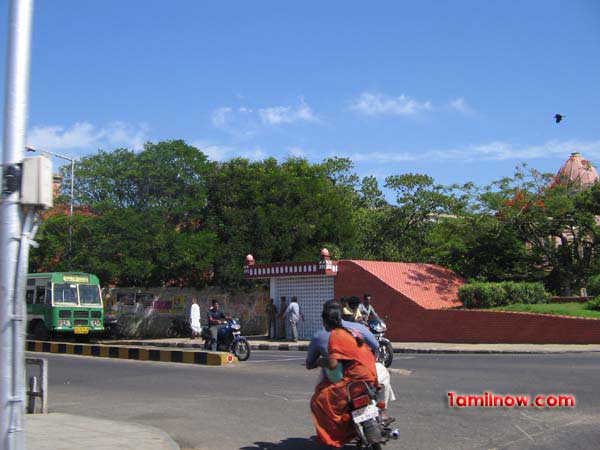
(461, 90)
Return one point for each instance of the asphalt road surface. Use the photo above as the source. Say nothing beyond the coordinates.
(264, 402)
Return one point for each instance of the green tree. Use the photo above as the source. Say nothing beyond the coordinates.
(277, 212)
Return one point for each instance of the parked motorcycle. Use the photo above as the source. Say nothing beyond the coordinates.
(385, 354)
(179, 328)
(229, 339)
(112, 328)
(371, 431)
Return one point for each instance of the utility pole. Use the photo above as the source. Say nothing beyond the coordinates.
(12, 312)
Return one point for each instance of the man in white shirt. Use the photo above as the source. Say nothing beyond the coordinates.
(195, 318)
(293, 315)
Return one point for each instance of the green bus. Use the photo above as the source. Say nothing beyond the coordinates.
(63, 303)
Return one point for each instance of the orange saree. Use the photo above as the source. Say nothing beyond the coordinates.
(329, 404)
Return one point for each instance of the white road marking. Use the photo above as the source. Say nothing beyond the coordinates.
(399, 371)
(524, 432)
(275, 360)
(277, 396)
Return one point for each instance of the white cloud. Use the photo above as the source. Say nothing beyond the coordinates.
(277, 115)
(375, 104)
(256, 154)
(492, 151)
(85, 136)
(461, 105)
(244, 121)
(220, 117)
(217, 152)
(297, 152)
(214, 152)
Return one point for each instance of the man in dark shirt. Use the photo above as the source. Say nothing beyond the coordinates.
(216, 318)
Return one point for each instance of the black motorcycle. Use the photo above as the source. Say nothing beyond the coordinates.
(371, 430)
(112, 328)
(229, 339)
(179, 328)
(385, 354)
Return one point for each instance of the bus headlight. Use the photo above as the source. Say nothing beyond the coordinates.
(96, 323)
(64, 323)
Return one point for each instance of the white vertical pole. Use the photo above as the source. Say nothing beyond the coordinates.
(12, 392)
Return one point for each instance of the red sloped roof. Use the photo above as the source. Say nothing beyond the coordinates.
(428, 285)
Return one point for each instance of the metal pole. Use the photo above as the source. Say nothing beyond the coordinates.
(71, 215)
(12, 399)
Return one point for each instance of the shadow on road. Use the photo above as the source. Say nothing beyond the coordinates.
(287, 444)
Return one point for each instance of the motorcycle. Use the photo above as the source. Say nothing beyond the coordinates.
(371, 431)
(112, 328)
(385, 354)
(179, 328)
(229, 339)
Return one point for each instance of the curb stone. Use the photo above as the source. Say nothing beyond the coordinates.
(304, 347)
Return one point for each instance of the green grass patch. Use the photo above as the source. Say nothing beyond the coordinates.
(559, 309)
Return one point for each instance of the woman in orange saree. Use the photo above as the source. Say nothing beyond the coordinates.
(329, 404)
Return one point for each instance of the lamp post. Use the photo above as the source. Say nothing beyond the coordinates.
(72, 160)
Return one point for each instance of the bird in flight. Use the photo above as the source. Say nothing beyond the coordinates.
(558, 117)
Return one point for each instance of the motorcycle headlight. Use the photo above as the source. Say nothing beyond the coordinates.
(235, 327)
(377, 328)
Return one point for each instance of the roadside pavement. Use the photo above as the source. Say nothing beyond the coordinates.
(56, 431)
(261, 343)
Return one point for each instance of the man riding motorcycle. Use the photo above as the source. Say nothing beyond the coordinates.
(216, 318)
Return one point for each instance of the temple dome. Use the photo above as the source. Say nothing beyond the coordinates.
(577, 170)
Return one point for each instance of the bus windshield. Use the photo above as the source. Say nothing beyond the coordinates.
(89, 294)
(65, 293)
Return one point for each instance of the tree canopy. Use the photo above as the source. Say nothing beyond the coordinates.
(169, 215)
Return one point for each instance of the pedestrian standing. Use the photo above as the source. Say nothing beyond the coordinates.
(195, 318)
(281, 334)
(271, 318)
(293, 315)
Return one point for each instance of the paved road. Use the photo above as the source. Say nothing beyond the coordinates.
(263, 403)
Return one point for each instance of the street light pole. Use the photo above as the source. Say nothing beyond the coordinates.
(72, 160)
(12, 312)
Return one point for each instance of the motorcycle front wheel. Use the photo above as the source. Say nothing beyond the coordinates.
(172, 332)
(386, 354)
(241, 349)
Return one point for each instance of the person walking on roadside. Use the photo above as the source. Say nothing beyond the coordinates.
(195, 318)
(293, 315)
(272, 318)
(281, 334)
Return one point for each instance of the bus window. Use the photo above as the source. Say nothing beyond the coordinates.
(40, 294)
(89, 294)
(65, 293)
(29, 296)
(49, 294)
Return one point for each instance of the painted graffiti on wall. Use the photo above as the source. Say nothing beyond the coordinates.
(149, 312)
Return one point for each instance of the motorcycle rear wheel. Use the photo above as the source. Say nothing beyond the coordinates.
(241, 349)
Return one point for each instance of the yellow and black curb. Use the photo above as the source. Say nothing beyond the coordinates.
(136, 353)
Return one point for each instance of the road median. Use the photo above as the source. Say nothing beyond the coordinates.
(134, 352)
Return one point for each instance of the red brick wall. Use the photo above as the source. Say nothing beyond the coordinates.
(409, 322)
